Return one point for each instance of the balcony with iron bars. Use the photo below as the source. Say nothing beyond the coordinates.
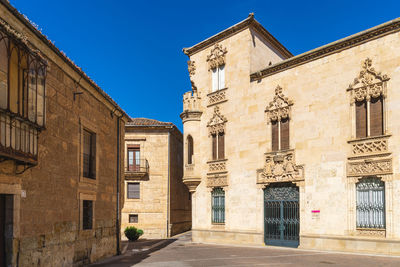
(138, 170)
(18, 139)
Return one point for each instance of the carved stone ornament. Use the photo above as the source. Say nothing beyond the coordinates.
(370, 147)
(370, 167)
(191, 68)
(369, 83)
(279, 107)
(371, 232)
(217, 97)
(217, 122)
(20, 36)
(280, 167)
(217, 181)
(217, 57)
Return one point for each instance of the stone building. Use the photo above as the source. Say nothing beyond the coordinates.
(298, 151)
(156, 200)
(60, 140)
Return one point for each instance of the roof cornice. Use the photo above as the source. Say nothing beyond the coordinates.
(249, 22)
(334, 47)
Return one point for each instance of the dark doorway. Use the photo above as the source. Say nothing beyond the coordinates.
(281, 215)
(2, 231)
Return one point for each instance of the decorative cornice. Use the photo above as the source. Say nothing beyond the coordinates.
(279, 107)
(335, 47)
(248, 22)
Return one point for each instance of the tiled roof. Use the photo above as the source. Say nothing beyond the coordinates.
(147, 122)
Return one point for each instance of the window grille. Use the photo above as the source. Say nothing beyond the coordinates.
(218, 205)
(370, 203)
(89, 154)
(87, 219)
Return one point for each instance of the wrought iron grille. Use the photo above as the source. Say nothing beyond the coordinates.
(218, 205)
(87, 215)
(370, 203)
(282, 218)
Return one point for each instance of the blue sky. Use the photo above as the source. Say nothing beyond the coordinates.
(133, 49)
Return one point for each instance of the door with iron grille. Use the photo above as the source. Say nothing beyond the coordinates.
(281, 215)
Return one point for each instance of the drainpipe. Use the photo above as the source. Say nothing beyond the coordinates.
(169, 170)
(118, 228)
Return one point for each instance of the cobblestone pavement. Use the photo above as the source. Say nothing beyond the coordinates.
(181, 252)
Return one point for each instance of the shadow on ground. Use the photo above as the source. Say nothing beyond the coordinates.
(132, 257)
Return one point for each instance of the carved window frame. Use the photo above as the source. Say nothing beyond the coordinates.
(217, 126)
(368, 84)
(215, 60)
(278, 109)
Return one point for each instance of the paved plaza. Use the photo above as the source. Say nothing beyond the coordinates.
(181, 252)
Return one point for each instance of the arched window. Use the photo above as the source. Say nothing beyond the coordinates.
(370, 203)
(189, 149)
(218, 205)
(3, 72)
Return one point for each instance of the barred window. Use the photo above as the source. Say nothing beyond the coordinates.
(87, 213)
(218, 205)
(370, 203)
(89, 154)
(133, 191)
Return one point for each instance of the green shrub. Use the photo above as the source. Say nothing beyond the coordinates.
(132, 233)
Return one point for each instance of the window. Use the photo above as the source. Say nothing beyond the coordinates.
(133, 218)
(369, 117)
(218, 78)
(133, 191)
(87, 212)
(89, 154)
(218, 146)
(218, 205)
(370, 203)
(133, 158)
(190, 149)
(3, 72)
(280, 134)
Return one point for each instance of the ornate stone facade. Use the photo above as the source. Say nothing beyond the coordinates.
(280, 167)
(217, 122)
(279, 107)
(370, 167)
(368, 84)
(217, 97)
(217, 57)
(326, 161)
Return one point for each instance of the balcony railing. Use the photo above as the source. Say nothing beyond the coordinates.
(139, 169)
(18, 138)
